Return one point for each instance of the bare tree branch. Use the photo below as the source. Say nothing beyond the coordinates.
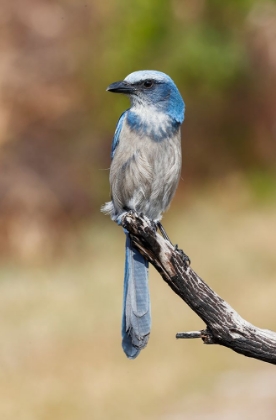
(224, 325)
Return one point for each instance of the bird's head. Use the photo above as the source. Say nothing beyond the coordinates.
(150, 88)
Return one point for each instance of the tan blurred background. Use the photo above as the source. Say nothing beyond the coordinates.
(61, 261)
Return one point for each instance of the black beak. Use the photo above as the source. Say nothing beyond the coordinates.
(121, 87)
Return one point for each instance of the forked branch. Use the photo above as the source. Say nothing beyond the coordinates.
(224, 325)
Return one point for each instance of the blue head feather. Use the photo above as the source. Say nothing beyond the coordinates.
(157, 108)
(163, 94)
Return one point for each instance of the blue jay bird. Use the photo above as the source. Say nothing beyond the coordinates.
(144, 174)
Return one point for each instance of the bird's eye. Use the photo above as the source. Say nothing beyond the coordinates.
(148, 84)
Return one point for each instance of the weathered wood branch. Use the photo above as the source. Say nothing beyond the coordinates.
(224, 325)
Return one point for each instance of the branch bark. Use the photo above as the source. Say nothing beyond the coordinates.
(224, 326)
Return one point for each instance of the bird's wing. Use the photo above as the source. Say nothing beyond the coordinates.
(116, 137)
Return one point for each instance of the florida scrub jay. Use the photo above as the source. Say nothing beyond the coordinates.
(144, 174)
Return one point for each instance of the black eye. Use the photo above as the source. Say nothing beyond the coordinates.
(148, 84)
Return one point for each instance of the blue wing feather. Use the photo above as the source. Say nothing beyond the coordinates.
(117, 133)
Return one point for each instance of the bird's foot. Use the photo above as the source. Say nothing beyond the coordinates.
(149, 221)
(186, 260)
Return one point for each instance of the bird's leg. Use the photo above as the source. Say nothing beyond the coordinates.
(162, 230)
(184, 257)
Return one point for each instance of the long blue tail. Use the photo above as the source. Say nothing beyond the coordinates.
(136, 322)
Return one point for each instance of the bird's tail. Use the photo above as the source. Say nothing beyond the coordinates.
(136, 322)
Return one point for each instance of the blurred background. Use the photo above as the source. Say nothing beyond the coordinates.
(62, 261)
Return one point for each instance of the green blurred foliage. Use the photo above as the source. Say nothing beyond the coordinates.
(205, 47)
(263, 186)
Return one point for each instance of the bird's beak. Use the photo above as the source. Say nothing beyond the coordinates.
(121, 87)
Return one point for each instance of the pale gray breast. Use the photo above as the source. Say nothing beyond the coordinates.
(144, 174)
